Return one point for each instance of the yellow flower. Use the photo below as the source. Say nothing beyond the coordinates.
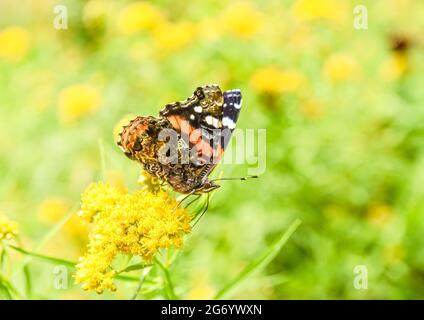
(8, 228)
(14, 43)
(242, 19)
(77, 100)
(148, 182)
(53, 209)
(334, 10)
(169, 37)
(138, 224)
(139, 16)
(274, 81)
(340, 67)
(395, 66)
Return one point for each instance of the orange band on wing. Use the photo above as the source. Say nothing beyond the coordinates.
(195, 137)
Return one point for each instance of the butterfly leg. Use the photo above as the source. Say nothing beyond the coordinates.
(203, 211)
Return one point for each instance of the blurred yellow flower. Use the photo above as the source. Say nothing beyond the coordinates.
(311, 108)
(201, 288)
(14, 43)
(138, 16)
(334, 10)
(77, 100)
(8, 228)
(52, 209)
(138, 223)
(169, 37)
(242, 19)
(395, 66)
(340, 67)
(275, 81)
(210, 28)
(379, 214)
(94, 14)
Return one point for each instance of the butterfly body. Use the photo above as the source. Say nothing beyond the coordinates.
(203, 124)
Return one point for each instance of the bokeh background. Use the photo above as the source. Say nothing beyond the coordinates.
(343, 109)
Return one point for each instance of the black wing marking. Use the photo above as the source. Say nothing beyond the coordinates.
(231, 109)
(202, 110)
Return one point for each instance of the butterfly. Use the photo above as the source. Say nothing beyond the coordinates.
(200, 128)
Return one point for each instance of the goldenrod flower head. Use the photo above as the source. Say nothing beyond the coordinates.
(138, 223)
(138, 16)
(14, 43)
(98, 197)
(333, 10)
(242, 19)
(149, 182)
(8, 228)
(340, 67)
(169, 37)
(274, 81)
(77, 100)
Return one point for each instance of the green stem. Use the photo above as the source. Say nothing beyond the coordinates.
(169, 286)
(140, 283)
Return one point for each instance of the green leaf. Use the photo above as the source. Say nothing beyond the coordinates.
(44, 257)
(67, 263)
(169, 288)
(259, 263)
(134, 267)
(47, 238)
(8, 288)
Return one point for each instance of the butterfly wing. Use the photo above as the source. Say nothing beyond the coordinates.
(208, 119)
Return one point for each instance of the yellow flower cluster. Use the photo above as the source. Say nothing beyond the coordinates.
(138, 223)
(271, 80)
(242, 19)
(334, 10)
(77, 100)
(138, 16)
(14, 44)
(8, 228)
(340, 67)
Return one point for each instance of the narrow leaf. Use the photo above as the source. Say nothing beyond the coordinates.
(259, 263)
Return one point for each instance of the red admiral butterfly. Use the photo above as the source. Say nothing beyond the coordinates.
(203, 125)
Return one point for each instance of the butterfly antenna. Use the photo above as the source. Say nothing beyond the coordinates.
(192, 201)
(183, 199)
(203, 211)
(237, 178)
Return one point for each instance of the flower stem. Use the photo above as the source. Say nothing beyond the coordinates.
(169, 287)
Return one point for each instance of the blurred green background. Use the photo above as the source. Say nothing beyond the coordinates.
(343, 109)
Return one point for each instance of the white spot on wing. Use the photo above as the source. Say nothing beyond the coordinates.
(198, 109)
(212, 121)
(227, 122)
(208, 120)
(192, 117)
